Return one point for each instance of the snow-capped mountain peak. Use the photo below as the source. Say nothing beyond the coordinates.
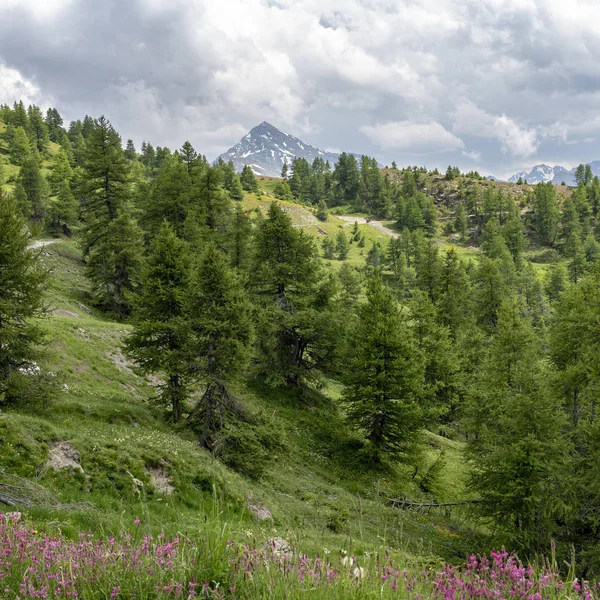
(557, 174)
(265, 149)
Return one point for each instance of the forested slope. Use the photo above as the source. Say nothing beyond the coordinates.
(210, 335)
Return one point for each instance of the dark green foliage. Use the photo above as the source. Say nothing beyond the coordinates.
(37, 130)
(375, 256)
(111, 239)
(34, 187)
(241, 237)
(555, 281)
(248, 447)
(169, 198)
(516, 445)
(452, 173)
(221, 333)
(383, 377)
(130, 153)
(159, 343)
(322, 212)
(19, 145)
(54, 123)
(282, 191)
(328, 246)
(114, 263)
(299, 327)
(63, 206)
(461, 222)
(342, 246)
(546, 212)
(22, 281)
(248, 180)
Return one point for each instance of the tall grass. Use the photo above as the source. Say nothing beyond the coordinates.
(36, 564)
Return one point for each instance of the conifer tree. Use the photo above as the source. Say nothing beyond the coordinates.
(37, 130)
(328, 246)
(170, 198)
(130, 153)
(159, 343)
(342, 247)
(189, 156)
(248, 179)
(111, 239)
(555, 281)
(22, 281)
(299, 327)
(114, 263)
(19, 116)
(241, 237)
(490, 288)
(517, 448)
(54, 123)
(454, 301)
(546, 212)
(19, 146)
(322, 212)
(209, 216)
(383, 377)
(441, 389)
(221, 333)
(34, 187)
(79, 149)
(63, 208)
(460, 221)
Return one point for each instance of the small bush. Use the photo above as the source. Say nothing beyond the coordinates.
(247, 448)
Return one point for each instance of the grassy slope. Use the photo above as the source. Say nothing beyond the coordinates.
(102, 408)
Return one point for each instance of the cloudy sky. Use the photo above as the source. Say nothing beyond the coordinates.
(492, 85)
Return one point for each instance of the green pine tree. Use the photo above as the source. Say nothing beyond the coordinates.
(35, 187)
(22, 283)
(159, 342)
(516, 444)
(248, 180)
(299, 326)
(322, 212)
(19, 146)
(221, 334)
(383, 378)
(461, 222)
(342, 246)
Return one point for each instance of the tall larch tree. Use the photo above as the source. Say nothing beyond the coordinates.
(22, 280)
(383, 377)
(111, 239)
(221, 334)
(159, 343)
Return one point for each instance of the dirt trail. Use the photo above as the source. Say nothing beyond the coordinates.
(377, 224)
(41, 244)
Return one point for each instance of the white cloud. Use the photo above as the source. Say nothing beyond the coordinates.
(473, 155)
(519, 77)
(40, 10)
(513, 139)
(14, 87)
(417, 138)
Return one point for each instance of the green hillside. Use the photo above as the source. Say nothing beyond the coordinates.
(384, 367)
(316, 496)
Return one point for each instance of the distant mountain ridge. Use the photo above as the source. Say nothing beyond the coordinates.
(557, 174)
(265, 149)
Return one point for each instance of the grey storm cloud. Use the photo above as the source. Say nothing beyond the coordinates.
(493, 85)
